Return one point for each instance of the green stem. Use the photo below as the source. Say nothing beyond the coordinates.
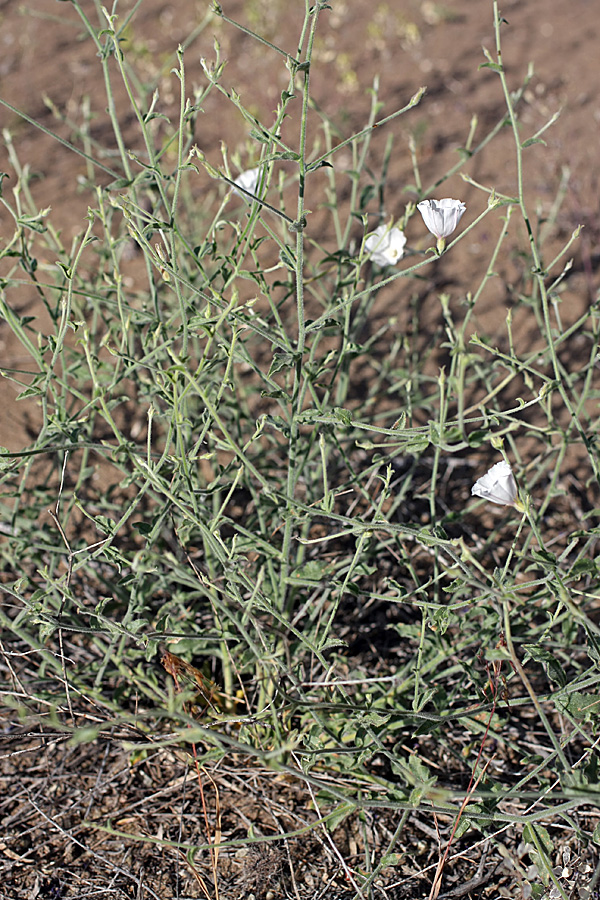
(298, 392)
(529, 688)
(539, 271)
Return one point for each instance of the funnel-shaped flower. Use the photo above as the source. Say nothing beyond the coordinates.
(498, 485)
(385, 245)
(441, 216)
(248, 180)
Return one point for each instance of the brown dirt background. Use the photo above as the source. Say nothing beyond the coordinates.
(46, 850)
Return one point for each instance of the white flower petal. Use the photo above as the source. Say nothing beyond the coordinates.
(385, 245)
(441, 216)
(498, 485)
(248, 180)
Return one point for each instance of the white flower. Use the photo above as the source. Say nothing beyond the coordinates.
(386, 245)
(248, 180)
(441, 216)
(498, 485)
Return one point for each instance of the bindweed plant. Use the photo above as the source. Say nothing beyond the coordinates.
(253, 457)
